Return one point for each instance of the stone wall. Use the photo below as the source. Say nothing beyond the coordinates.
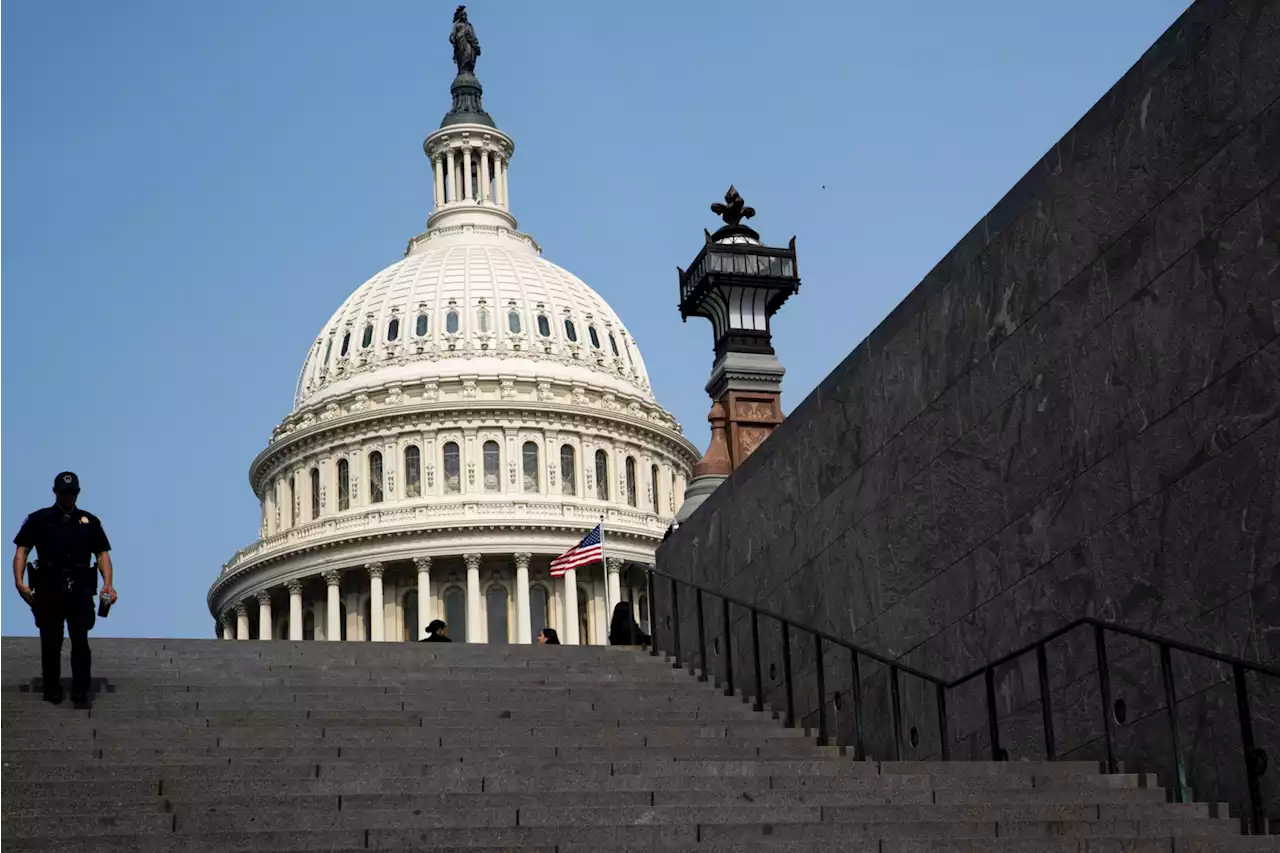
(1075, 413)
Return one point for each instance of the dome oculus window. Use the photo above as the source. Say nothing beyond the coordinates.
(366, 339)
(513, 322)
(544, 326)
(613, 344)
(595, 339)
(570, 331)
(451, 322)
(393, 329)
(346, 344)
(420, 326)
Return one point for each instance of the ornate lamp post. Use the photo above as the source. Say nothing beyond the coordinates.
(737, 283)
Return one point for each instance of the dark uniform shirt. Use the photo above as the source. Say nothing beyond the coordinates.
(65, 542)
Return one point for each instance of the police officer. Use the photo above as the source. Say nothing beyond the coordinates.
(62, 585)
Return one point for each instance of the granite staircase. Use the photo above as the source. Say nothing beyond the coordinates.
(202, 746)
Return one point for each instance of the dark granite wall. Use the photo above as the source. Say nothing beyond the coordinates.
(1075, 413)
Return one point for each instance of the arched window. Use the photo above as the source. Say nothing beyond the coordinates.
(530, 456)
(344, 485)
(293, 502)
(568, 470)
(595, 339)
(570, 331)
(451, 322)
(375, 477)
(513, 321)
(393, 329)
(653, 484)
(496, 615)
(309, 625)
(412, 471)
(544, 326)
(366, 340)
(538, 616)
(420, 326)
(455, 613)
(346, 343)
(452, 469)
(584, 620)
(482, 320)
(315, 493)
(613, 344)
(409, 619)
(492, 471)
(631, 480)
(602, 475)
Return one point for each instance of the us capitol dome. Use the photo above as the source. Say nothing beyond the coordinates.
(465, 416)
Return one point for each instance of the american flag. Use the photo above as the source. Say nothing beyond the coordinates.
(589, 550)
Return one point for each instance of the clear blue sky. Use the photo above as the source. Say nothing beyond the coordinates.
(191, 189)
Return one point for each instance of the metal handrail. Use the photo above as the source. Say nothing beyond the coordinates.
(1253, 757)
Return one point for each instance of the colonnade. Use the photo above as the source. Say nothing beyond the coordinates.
(470, 173)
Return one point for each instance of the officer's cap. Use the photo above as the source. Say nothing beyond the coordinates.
(66, 482)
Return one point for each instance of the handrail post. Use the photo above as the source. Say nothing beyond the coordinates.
(1104, 687)
(790, 721)
(653, 623)
(993, 721)
(1046, 709)
(702, 638)
(728, 650)
(943, 736)
(675, 622)
(897, 713)
(1251, 769)
(855, 687)
(1180, 792)
(755, 650)
(822, 691)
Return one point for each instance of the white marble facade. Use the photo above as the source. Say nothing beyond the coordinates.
(467, 414)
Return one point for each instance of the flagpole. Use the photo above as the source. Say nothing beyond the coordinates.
(604, 569)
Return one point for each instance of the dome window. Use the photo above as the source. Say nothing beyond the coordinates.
(328, 351)
(529, 454)
(366, 340)
(346, 344)
(451, 322)
(602, 475)
(393, 329)
(452, 469)
(420, 326)
(344, 485)
(613, 344)
(570, 331)
(631, 480)
(482, 320)
(544, 326)
(595, 338)
(492, 475)
(513, 321)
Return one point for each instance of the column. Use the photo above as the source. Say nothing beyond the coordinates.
(423, 565)
(523, 627)
(377, 619)
(466, 175)
(264, 615)
(437, 163)
(242, 621)
(295, 609)
(483, 195)
(613, 566)
(473, 597)
(504, 182)
(333, 607)
(453, 177)
(228, 627)
(570, 637)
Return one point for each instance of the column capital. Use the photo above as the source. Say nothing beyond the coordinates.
(523, 560)
(264, 597)
(472, 561)
(227, 620)
(422, 564)
(375, 569)
(333, 577)
(242, 608)
(614, 564)
(294, 586)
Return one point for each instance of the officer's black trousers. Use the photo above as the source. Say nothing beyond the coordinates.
(52, 608)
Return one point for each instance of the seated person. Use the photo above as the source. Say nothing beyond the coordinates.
(623, 630)
(548, 637)
(437, 632)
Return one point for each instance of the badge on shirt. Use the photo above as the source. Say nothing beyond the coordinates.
(84, 519)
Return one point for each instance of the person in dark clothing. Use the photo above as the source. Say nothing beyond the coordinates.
(63, 583)
(437, 632)
(623, 630)
(548, 637)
